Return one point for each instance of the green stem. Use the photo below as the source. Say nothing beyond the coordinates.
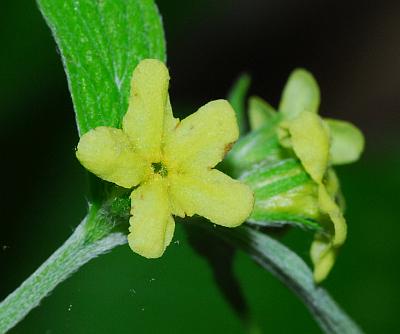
(95, 236)
(82, 246)
(291, 270)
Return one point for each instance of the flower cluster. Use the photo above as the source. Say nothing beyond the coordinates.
(284, 163)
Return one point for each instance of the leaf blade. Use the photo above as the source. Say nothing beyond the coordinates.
(101, 42)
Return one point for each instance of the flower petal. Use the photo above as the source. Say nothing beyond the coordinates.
(301, 93)
(108, 153)
(323, 256)
(201, 140)
(325, 247)
(144, 120)
(329, 206)
(152, 226)
(347, 142)
(310, 141)
(213, 195)
(170, 122)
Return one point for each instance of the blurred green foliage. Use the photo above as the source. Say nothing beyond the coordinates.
(44, 186)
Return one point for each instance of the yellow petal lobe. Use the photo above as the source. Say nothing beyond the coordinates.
(108, 153)
(202, 139)
(347, 142)
(324, 248)
(151, 225)
(170, 122)
(144, 120)
(329, 206)
(213, 195)
(323, 256)
(301, 93)
(310, 141)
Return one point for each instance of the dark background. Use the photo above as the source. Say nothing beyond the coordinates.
(352, 47)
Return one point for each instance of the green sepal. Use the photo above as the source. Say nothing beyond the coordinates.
(284, 194)
(253, 148)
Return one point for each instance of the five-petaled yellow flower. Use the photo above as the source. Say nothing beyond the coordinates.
(170, 161)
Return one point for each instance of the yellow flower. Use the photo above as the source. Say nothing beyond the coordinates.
(168, 161)
(310, 139)
(318, 144)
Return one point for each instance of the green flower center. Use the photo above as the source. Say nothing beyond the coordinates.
(159, 168)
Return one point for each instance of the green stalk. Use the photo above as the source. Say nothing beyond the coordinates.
(292, 271)
(91, 238)
(95, 235)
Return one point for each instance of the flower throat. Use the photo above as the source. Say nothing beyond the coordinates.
(159, 168)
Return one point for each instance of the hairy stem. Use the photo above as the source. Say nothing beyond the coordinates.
(82, 246)
(291, 270)
(94, 236)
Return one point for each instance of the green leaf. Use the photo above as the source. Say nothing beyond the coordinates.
(101, 42)
(236, 98)
(347, 142)
(291, 270)
(301, 93)
(260, 112)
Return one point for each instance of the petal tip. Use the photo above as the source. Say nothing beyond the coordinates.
(151, 67)
(147, 251)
